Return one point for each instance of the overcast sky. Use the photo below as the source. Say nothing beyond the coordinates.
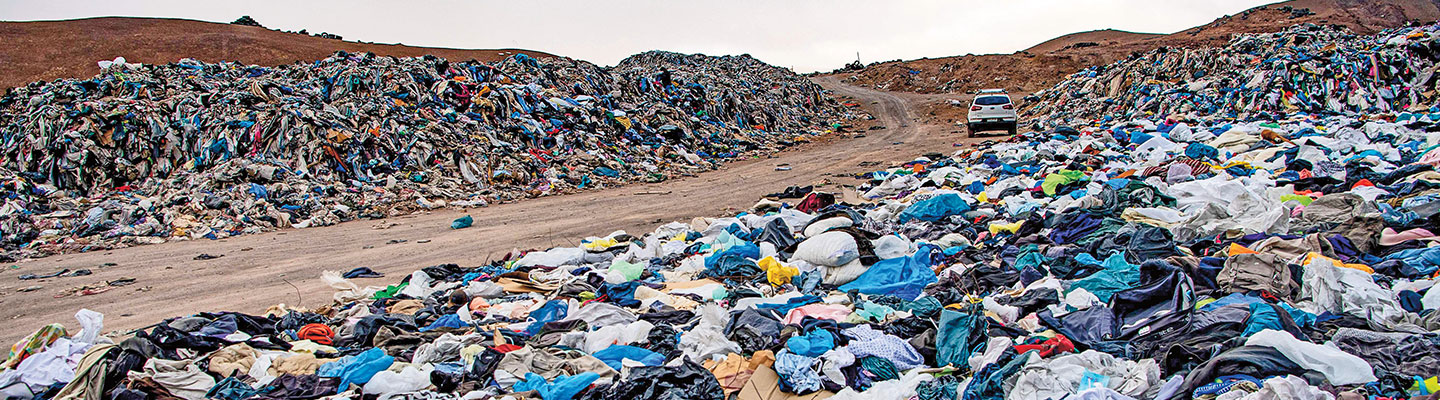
(806, 35)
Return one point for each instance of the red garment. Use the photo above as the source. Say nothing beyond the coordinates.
(815, 201)
(1056, 345)
(317, 333)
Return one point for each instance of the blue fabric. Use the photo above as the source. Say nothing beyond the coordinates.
(356, 369)
(935, 208)
(1201, 151)
(903, 277)
(258, 191)
(1302, 318)
(220, 327)
(1262, 317)
(1233, 298)
(812, 344)
(1118, 275)
(1418, 262)
(562, 388)
(795, 373)
(734, 260)
(614, 354)
(552, 311)
(960, 335)
(445, 321)
(793, 303)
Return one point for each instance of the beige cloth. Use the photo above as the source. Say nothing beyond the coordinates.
(552, 362)
(182, 378)
(407, 307)
(235, 358)
(296, 364)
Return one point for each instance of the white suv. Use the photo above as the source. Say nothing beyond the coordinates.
(992, 110)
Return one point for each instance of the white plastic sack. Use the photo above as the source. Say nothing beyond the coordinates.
(893, 246)
(844, 274)
(387, 384)
(826, 224)
(1339, 367)
(830, 249)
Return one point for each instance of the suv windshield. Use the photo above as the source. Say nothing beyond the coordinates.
(991, 100)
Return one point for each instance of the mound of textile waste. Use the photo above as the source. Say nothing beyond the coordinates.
(1279, 259)
(1306, 68)
(149, 153)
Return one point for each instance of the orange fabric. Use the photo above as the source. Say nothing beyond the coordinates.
(1238, 249)
(316, 333)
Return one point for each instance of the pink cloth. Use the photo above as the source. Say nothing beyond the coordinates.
(820, 311)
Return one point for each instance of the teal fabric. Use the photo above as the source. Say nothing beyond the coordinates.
(935, 208)
(812, 344)
(960, 335)
(1118, 275)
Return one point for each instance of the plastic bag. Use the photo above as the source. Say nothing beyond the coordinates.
(389, 383)
(345, 290)
(91, 324)
(462, 222)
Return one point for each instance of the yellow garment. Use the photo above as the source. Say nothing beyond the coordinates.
(983, 198)
(601, 244)
(34, 344)
(777, 273)
(997, 227)
(1203, 302)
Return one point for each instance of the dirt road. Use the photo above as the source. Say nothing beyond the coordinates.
(258, 271)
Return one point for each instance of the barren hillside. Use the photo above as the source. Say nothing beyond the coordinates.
(1045, 64)
(46, 50)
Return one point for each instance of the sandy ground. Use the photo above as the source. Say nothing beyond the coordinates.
(259, 271)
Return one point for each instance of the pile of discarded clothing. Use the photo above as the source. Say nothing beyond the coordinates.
(149, 153)
(1306, 68)
(1292, 259)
